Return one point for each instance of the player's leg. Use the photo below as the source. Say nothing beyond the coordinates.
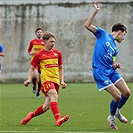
(53, 94)
(113, 106)
(34, 80)
(122, 86)
(40, 110)
(39, 85)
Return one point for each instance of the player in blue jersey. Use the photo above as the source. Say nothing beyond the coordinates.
(104, 66)
(1, 55)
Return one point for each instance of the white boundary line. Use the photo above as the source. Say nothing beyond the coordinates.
(4, 131)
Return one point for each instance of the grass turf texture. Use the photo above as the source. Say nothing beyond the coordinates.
(88, 109)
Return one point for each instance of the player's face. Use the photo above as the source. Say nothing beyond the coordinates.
(49, 44)
(120, 37)
(39, 34)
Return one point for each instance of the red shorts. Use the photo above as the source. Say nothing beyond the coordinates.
(49, 85)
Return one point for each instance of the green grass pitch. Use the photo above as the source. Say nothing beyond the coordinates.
(88, 109)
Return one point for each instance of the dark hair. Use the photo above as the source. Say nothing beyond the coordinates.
(38, 29)
(47, 35)
(119, 26)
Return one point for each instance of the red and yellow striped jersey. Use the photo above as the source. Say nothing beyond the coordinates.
(49, 65)
(35, 46)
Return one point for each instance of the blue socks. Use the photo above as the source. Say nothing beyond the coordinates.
(122, 101)
(114, 105)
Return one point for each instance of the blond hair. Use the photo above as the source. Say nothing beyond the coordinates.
(47, 35)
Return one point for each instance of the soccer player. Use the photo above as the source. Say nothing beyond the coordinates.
(1, 55)
(52, 75)
(105, 67)
(35, 46)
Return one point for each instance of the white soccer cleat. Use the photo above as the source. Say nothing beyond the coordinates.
(121, 117)
(112, 122)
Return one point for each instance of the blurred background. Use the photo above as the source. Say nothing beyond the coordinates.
(65, 18)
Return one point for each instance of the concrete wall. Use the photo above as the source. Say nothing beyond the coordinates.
(56, 1)
(66, 20)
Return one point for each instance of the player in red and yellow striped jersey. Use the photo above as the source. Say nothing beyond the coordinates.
(52, 75)
(34, 47)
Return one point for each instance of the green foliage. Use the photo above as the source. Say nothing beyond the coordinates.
(88, 109)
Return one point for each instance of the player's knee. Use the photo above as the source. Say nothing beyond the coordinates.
(45, 108)
(117, 98)
(127, 93)
(54, 97)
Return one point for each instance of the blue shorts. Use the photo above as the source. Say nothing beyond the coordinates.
(105, 77)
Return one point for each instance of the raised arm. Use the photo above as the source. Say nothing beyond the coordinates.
(88, 24)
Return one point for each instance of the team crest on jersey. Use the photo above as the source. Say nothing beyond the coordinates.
(107, 44)
(55, 54)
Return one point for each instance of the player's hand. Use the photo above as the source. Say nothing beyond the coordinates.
(63, 85)
(26, 83)
(32, 53)
(117, 65)
(96, 6)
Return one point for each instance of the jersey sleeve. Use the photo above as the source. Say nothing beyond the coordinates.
(100, 32)
(60, 59)
(30, 47)
(1, 48)
(35, 61)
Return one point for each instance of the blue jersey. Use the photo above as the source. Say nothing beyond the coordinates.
(1, 48)
(104, 49)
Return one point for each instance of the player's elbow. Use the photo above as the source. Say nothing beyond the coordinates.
(88, 27)
(1, 54)
(85, 26)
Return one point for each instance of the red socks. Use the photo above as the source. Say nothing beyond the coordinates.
(55, 110)
(38, 111)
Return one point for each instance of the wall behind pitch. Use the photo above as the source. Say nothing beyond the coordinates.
(66, 20)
